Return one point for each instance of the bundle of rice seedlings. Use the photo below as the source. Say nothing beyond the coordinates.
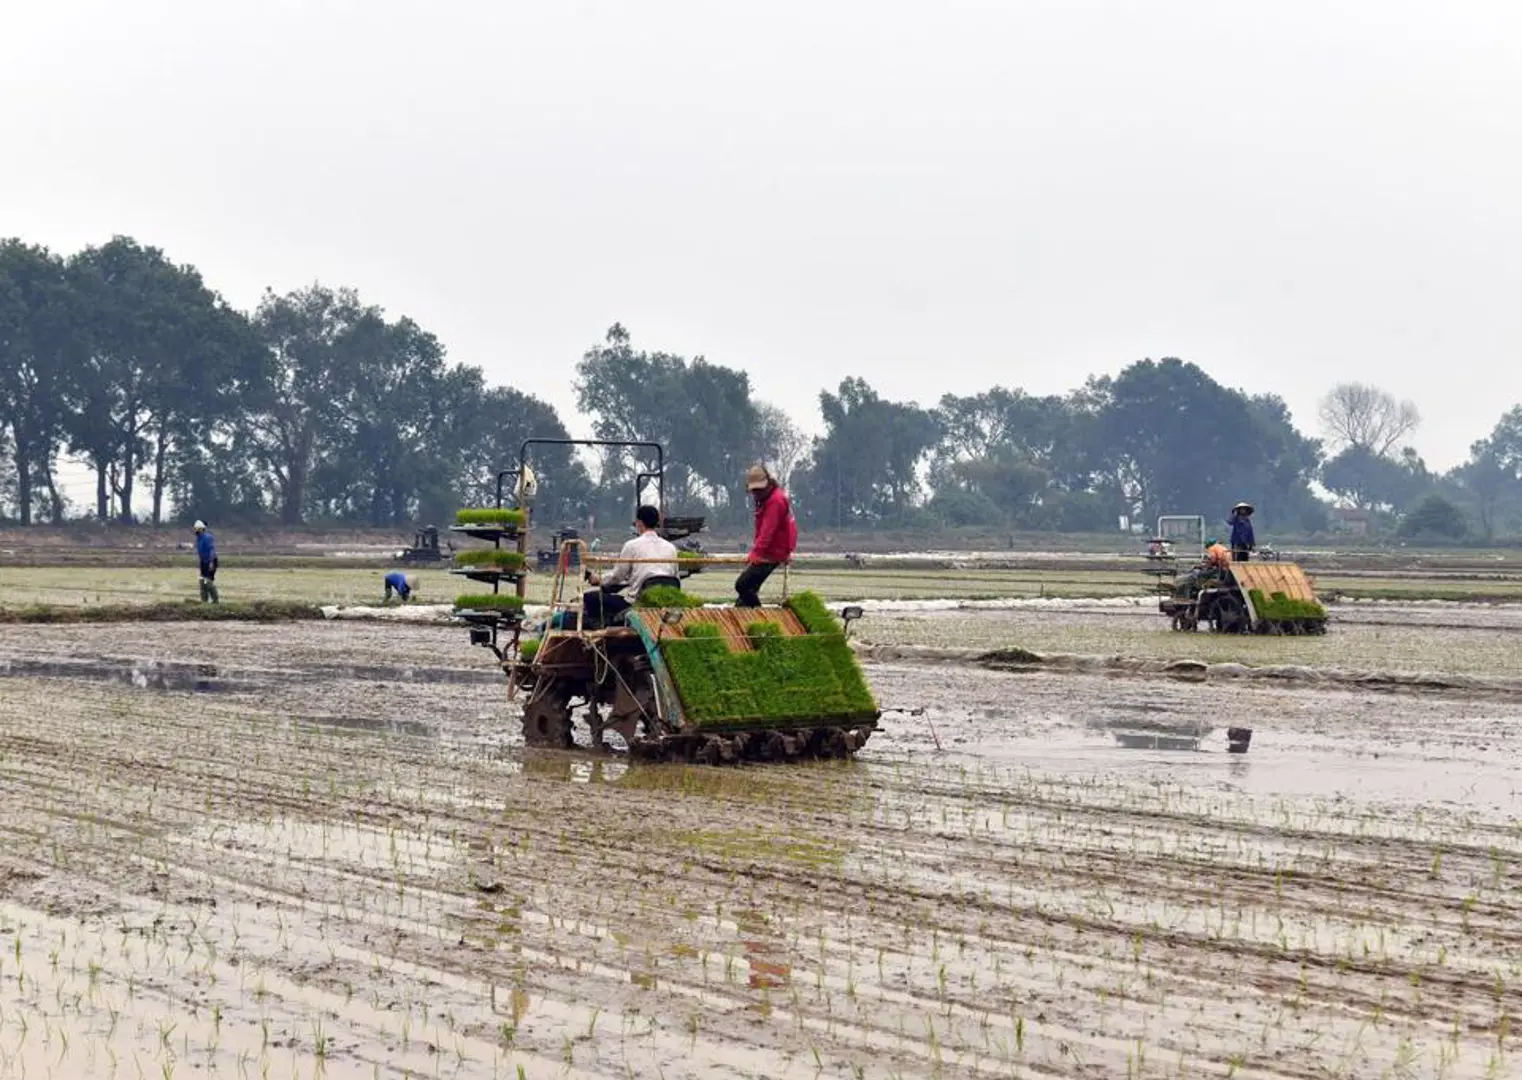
(813, 677)
(499, 516)
(488, 602)
(490, 558)
(668, 596)
(1281, 608)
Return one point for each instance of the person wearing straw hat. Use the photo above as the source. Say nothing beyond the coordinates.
(776, 535)
(403, 585)
(1242, 541)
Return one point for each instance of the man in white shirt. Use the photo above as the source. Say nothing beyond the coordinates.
(603, 603)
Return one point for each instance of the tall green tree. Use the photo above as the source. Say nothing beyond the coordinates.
(389, 449)
(1169, 436)
(1373, 481)
(1007, 423)
(702, 413)
(866, 466)
(38, 343)
(1171, 439)
(1492, 477)
(494, 424)
(1007, 457)
(160, 349)
(1279, 481)
(318, 340)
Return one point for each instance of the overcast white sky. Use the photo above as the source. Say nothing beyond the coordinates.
(938, 196)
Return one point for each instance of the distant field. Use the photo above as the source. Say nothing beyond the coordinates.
(1357, 640)
(100, 585)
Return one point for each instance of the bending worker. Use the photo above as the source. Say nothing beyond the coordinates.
(1242, 542)
(776, 535)
(206, 555)
(656, 565)
(404, 585)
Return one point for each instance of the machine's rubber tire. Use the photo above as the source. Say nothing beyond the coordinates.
(547, 718)
(1230, 616)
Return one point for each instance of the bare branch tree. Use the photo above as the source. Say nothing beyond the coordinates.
(781, 443)
(1357, 414)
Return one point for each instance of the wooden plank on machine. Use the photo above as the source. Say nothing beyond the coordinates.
(733, 623)
(1271, 578)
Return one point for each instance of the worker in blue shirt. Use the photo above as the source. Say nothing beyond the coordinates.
(206, 554)
(404, 585)
(1242, 540)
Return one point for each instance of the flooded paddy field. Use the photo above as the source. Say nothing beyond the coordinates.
(319, 849)
(94, 586)
(1470, 639)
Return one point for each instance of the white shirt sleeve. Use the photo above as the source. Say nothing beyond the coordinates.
(622, 571)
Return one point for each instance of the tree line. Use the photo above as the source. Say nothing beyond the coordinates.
(316, 406)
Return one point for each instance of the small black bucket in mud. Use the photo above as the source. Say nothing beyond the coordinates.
(1237, 739)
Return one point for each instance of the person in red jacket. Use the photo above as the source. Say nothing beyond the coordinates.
(776, 535)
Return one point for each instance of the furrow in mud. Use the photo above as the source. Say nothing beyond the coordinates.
(362, 870)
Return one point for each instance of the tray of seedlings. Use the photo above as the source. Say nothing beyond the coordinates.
(494, 524)
(490, 566)
(501, 610)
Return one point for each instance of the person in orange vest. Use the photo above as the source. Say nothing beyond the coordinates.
(1209, 570)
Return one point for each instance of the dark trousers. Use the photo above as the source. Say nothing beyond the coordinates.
(209, 582)
(748, 584)
(599, 606)
(1240, 555)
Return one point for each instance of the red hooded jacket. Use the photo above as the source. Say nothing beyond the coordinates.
(776, 529)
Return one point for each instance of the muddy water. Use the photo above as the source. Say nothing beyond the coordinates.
(1378, 638)
(355, 870)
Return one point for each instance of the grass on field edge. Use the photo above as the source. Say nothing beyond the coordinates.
(168, 611)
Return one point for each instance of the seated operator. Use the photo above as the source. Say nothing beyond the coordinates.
(1209, 569)
(657, 566)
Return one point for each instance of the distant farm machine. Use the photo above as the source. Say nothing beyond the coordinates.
(670, 679)
(1264, 596)
(425, 548)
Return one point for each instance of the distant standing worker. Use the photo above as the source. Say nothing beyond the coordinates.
(1242, 542)
(402, 584)
(206, 553)
(776, 535)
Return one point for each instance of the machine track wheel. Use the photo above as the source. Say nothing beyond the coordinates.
(728, 748)
(547, 718)
(1230, 616)
(634, 712)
